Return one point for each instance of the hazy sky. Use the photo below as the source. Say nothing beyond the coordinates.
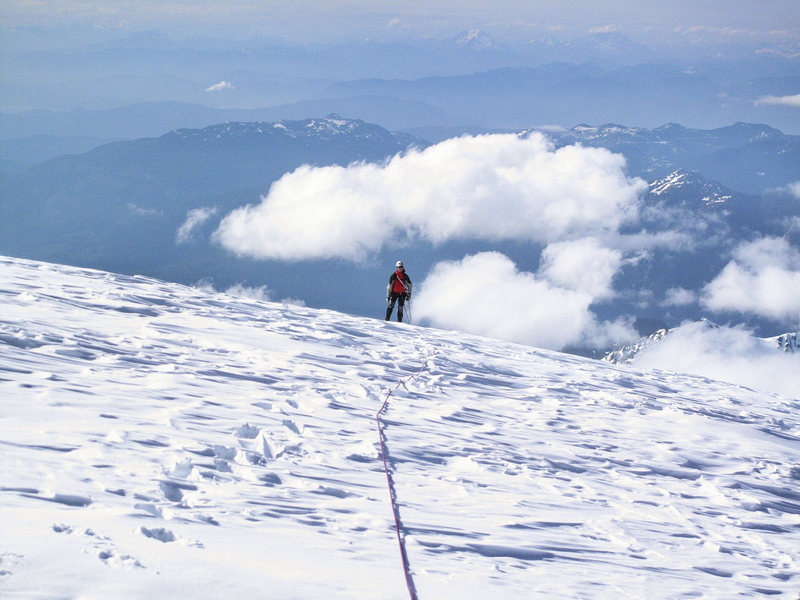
(324, 20)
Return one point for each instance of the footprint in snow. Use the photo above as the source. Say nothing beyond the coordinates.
(112, 559)
(165, 536)
(158, 533)
(7, 561)
(102, 545)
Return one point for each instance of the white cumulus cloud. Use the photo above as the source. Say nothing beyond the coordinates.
(724, 353)
(194, 219)
(218, 87)
(763, 278)
(488, 187)
(581, 265)
(486, 294)
(793, 101)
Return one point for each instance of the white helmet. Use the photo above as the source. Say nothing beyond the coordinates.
(398, 264)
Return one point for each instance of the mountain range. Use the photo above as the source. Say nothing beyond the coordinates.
(563, 93)
(747, 157)
(462, 85)
(467, 80)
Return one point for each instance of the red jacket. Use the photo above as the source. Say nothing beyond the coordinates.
(399, 282)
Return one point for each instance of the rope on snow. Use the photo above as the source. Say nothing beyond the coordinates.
(412, 591)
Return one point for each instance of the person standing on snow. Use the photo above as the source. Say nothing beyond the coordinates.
(399, 288)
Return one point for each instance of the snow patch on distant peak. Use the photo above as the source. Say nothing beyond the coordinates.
(322, 128)
(786, 342)
(475, 39)
(709, 192)
(626, 353)
(605, 129)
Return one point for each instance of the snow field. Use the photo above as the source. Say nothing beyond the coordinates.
(160, 439)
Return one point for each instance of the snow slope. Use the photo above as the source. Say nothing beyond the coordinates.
(164, 441)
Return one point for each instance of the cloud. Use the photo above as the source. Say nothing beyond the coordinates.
(491, 187)
(194, 219)
(581, 265)
(143, 212)
(792, 224)
(727, 354)
(679, 297)
(256, 293)
(763, 278)
(260, 293)
(794, 189)
(793, 101)
(485, 294)
(218, 87)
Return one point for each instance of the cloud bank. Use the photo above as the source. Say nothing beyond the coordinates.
(793, 101)
(490, 187)
(763, 278)
(485, 294)
(728, 354)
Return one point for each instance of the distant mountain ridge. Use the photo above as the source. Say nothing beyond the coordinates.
(746, 157)
(226, 156)
(150, 119)
(563, 93)
(324, 129)
(786, 342)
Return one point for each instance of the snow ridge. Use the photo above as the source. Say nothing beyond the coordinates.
(164, 440)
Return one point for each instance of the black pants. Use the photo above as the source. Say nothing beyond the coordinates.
(392, 299)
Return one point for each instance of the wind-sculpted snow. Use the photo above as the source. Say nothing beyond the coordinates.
(166, 441)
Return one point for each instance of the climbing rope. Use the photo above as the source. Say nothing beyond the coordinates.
(412, 591)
